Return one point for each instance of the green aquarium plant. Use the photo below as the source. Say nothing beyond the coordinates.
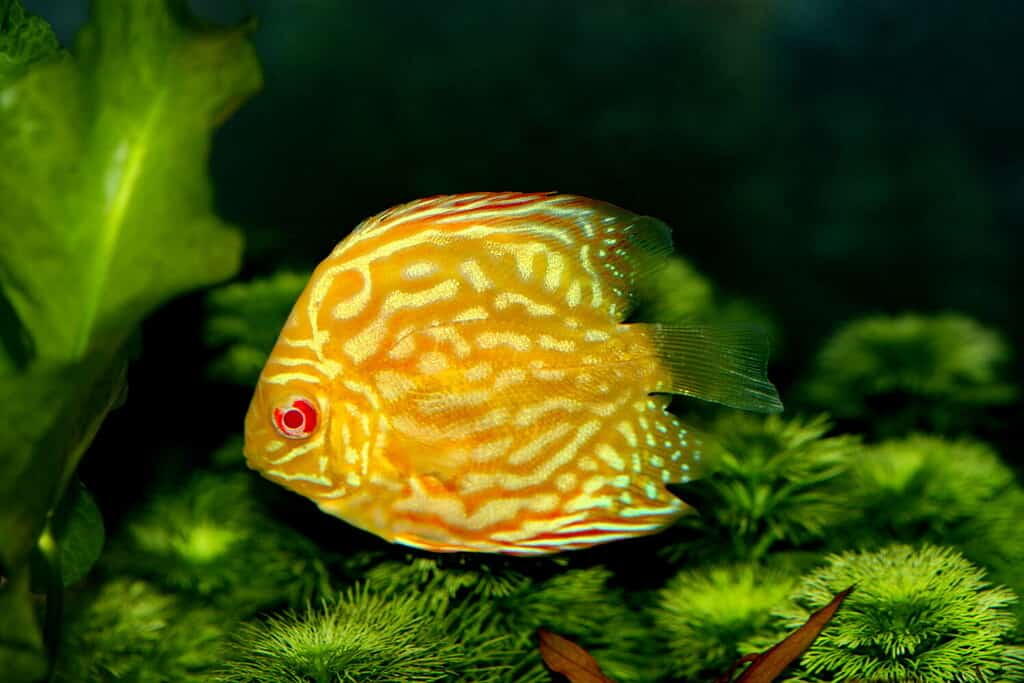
(917, 614)
(773, 480)
(705, 617)
(925, 486)
(363, 635)
(580, 603)
(106, 214)
(130, 630)
(894, 374)
(243, 320)
(205, 537)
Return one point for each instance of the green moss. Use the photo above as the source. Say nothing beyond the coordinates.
(210, 539)
(911, 371)
(129, 630)
(706, 616)
(773, 480)
(916, 615)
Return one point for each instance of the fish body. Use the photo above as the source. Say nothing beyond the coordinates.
(457, 376)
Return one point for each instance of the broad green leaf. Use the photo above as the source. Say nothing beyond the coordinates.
(107, 204)
(105, 213)
(79, 531)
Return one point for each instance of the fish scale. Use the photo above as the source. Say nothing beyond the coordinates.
(475, 387)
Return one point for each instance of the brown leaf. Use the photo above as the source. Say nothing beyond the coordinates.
(767, 666)
(569, 659)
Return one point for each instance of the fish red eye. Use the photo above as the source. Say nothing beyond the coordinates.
(296, 419)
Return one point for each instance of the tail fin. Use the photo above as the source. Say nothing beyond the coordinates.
(724, 364)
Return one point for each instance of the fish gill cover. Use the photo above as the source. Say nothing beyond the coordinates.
(210, 573)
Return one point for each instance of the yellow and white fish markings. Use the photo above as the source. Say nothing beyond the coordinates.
(457, 376)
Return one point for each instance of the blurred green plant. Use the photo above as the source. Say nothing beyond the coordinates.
(924, 487)
(244, 319)
(363, 635)
(771, 480)
(895, 374)
(680, 293)
(106, 214)
(706, 616)
(210, 539)
(923, 614)
(130, 631)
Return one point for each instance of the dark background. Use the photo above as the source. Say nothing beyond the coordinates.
(824, 159)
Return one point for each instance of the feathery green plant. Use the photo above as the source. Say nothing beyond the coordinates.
(132, 631)
(922, 614)
(773, 480)
(925, 486)
(210, 539)
(578, 603)
(244, 319)
(366, 636)
(909, 372)
(706, 616)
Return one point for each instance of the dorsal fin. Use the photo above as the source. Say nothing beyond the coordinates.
(585, 251)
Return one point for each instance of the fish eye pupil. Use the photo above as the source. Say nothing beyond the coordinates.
(293, 418)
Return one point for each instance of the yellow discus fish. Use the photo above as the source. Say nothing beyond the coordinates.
(456, 376)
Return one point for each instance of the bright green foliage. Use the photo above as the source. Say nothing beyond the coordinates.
(925, 487)
(245, 319)
(106, 214)
(705, 616)
(444, 580)
(916, 615)
(952, 492)
(773, 480)
(210, 539)
(578, 603)
(131, 631)
(364, 636)
(581, 604)
(911, 371)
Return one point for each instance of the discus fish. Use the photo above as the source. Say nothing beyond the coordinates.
(457, 376)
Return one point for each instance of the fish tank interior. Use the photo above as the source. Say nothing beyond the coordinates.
(844, 178)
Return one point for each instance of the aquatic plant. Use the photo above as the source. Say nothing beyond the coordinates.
(366, 636)
(132, 631)
(925, 486)
(924, 614)
(773, 480)
(899, 373)
(209, 538)
(244, 318)
(106, 215)
(681, 293)
(707, 616)
(575, 602)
